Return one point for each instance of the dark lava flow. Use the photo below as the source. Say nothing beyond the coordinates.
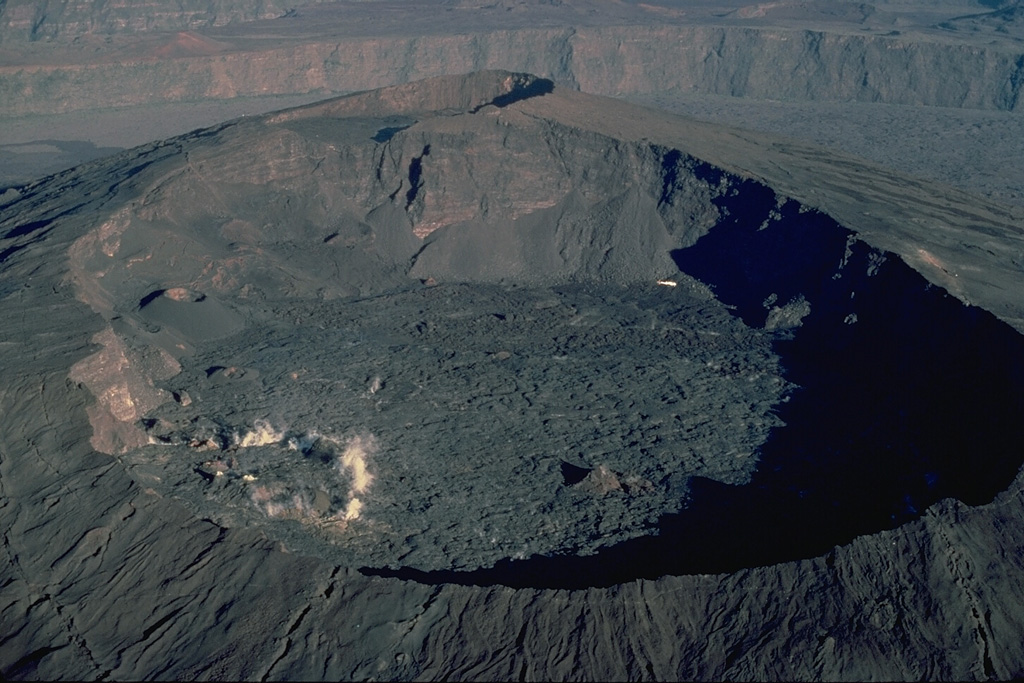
(907, 396)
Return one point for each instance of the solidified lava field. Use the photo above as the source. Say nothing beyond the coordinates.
(496, 422)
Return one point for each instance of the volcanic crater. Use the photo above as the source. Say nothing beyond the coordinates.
(468, 331)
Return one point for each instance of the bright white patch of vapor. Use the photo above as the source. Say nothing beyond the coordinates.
(281, 500)
(352, 511)
(262, 434)
(354, 459)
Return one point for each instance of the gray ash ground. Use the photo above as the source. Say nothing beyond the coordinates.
(495, 422)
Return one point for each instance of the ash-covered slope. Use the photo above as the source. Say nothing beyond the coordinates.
(353, 389)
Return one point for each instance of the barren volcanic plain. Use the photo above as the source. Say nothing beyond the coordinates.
(484, 376)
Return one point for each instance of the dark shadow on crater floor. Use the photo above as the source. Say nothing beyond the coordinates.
(906, 396)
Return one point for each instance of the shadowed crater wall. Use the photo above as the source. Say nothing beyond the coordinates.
(906, 396)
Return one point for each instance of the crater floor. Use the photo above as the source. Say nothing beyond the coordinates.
(486, 422)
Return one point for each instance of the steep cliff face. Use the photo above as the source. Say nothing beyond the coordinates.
(788, 64)
(395, 391)
(798, 65)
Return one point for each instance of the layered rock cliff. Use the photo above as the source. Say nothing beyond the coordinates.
(629, 57)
